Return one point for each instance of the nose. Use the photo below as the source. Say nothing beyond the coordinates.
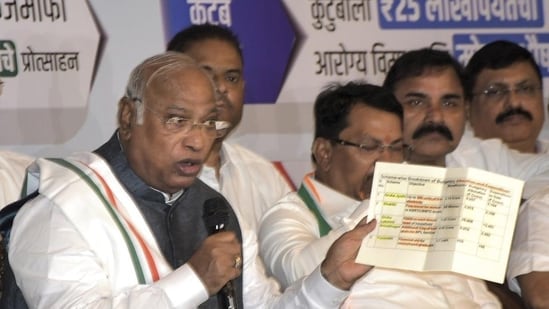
(385, 154)
(512, 99)
(434, 113)
(388, 155)
(197, 139)
(220, 84)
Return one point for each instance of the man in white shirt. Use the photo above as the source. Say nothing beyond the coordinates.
(249, 182)
(507, 102)
(130, 226)
(355, 126)
(431, 86)
(12, 172)
(506, 91)
(528, 268)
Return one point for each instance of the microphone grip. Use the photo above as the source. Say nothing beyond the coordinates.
(215, 218)
(226, 296)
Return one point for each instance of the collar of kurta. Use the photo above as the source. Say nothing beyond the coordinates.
(329, 206)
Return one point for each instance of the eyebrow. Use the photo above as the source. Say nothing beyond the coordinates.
(239, 71)
(367, 136)
(498, 84)
(211, 69)
(174, 108)
(452, 96)
(415, 94)
(423, 95)
(526, 81)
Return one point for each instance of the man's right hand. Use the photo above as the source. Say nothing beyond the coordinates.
(339, 266)
(214, 261)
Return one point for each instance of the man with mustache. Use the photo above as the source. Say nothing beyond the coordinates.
(506, 92)
(431, 87)
(128, 226)
(356, 125)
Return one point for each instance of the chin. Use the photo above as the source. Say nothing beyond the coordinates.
(434, 151)
(180, 184)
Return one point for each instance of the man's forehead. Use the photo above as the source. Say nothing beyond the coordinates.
(428, 82)
(183, 84)
(215, 69)
(209, 49)
(514, 73)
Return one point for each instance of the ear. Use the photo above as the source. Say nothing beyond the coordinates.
(322, 151)
(126, 117)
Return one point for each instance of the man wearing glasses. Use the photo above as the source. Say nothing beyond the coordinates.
(356, 125)
(507, 96)
(128, 225)
(507, 102)
(248, 181)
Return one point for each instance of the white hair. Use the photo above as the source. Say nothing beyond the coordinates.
(158, 66)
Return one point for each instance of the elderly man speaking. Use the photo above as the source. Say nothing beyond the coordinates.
(130, 226)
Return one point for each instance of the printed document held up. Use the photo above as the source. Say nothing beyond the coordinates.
(441, 219)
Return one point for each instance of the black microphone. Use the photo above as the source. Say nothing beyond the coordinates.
(216, 216)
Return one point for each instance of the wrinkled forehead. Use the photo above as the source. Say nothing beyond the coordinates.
(176, 79)
(190, 89)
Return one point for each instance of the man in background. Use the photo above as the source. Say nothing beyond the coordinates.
(506, 91)
(528, 268)
(131, 226)
(355, 127)
(430, 85)
(249, 182)
(12, 171)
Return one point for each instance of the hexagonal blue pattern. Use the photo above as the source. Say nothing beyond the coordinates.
(266, 35)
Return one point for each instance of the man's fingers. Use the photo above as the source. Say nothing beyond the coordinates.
(218, 260)
(227, 237)
(364, 227)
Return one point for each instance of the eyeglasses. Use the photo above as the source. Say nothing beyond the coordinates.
(184, 125)
(496, 93)
(373, 146)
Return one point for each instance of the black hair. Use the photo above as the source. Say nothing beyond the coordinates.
(415, 63)
(334, 103)
(497, 55)
(185, 38)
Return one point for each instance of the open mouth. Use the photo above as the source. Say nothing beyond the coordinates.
(189, 167)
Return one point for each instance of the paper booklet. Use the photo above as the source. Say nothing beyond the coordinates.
(441, 219)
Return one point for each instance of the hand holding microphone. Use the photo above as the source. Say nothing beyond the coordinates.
(219, 259)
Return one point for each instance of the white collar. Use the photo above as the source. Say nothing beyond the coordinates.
(334, 206)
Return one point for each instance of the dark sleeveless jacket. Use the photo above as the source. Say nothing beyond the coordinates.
(178, 228)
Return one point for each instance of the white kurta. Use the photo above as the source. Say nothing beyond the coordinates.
(530, 248)
(248, 181)
(67, 252)
(291, 245)
(542, 146)
(12, 173)
(494, 156)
